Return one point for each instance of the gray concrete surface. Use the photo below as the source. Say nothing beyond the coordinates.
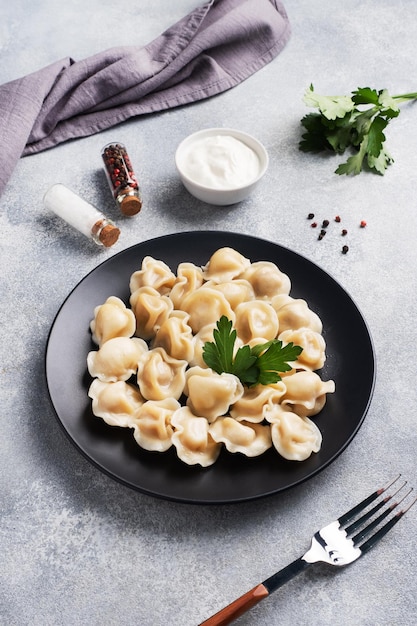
(76, 547)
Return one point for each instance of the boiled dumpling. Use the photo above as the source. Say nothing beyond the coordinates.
(235, 291)
(204, 335)
(112, 319)
(313, 355)
(244, 437)
(154, 273)
(294, 437)
(293, 314)
(255, 401)
(305, 393)
(225, 264)
(160, 376)
(116, 403)
(211, 394)
(189, 278)
(150, 309)
(206, 306)
(256, 319)
(152, 426)
(117, 359)
(267, 279)
(176, 337)
(192, 439)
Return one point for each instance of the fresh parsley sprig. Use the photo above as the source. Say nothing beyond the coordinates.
(356, 122)
(259, 365)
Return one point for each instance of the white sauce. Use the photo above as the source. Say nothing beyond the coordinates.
(220, 162)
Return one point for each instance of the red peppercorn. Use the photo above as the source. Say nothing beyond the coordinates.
(363, 224)
(314, 225)
(344, 232)
(337, 218)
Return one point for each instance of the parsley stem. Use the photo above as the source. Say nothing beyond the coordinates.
(406, 96)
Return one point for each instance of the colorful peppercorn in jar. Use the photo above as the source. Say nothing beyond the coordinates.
(121, 178)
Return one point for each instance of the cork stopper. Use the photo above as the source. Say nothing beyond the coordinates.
(130, 205)
(105, 233)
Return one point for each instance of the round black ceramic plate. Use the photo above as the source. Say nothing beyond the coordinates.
(233, 478)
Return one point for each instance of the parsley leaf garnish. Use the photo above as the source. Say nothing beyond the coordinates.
(258, 365)
(355, 122)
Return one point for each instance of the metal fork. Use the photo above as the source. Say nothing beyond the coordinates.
(338, 544)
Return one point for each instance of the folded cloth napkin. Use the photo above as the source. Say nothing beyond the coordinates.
(216, 46)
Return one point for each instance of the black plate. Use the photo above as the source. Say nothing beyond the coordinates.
(233, 478)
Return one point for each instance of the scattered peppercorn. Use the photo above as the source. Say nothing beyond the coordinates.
(363, 224)
(310, 216)
(344, 232)
(325, 223)
(337, 218)
(345, 249)
(314, 225)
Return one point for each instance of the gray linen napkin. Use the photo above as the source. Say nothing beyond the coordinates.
(215, 47)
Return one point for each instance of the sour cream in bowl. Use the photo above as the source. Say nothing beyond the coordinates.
(221, 166)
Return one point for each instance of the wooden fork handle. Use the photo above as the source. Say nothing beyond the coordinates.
(248, 600)
(239, 606)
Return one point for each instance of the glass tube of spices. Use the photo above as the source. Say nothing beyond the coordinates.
(121, 178)
(81, 215)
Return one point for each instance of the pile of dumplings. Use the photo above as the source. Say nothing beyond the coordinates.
(150, 376)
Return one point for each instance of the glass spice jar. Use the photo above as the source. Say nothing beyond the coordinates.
(81, 215)
(121, 178)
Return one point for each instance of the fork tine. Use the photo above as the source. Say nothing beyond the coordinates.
(361, 520)
(383, 531)
(347, 517)
(370, 527)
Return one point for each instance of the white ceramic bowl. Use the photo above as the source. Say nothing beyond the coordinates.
(214, 194)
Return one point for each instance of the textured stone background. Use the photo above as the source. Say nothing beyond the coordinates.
(76, 547)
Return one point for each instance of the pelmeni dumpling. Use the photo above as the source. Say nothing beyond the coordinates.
(294, 437)
(189, 278)
(256, 318)
(293, 314)
(206, 306)
(117, 359)
(210, 394)
(267, 279)
(176, 337)
(313, 355)
(154, 273)
(192, 440)
(152, 426)
(112, 319)
(150, 309)
(160, 376)
(204, 334)
(116, 403)
(235, 291)
(225, 264)
(255, 401)
(244, 437)
(305, 393)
